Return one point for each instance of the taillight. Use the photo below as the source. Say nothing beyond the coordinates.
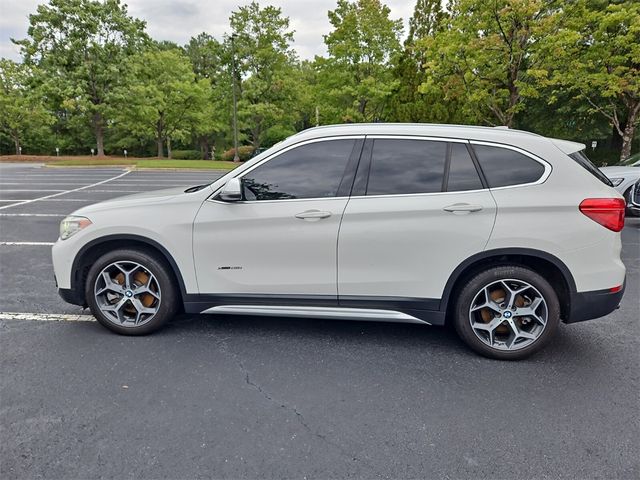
(608, 212)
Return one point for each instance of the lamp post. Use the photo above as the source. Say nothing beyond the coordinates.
(236, 157)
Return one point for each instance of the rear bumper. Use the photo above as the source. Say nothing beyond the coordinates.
(594, 304)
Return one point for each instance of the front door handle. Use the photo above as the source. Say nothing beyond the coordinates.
(462, 207)
(312, 215)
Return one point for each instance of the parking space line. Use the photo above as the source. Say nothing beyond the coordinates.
(66, 191)
(32, 215)
(32, 244)
(46, 317)
(54, 200)
(30, 190)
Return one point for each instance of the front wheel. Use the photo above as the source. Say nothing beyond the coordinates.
(131, 292)
(507, 312)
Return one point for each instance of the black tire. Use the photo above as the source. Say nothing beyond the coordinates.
(168, 303)
(629, 212)
(475, 284)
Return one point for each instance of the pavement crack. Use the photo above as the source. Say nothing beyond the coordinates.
(299, 416)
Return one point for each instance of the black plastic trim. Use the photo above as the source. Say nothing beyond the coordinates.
(423, 308)
(70, 296)
(498, 252)
(75, 268)
(593, 304)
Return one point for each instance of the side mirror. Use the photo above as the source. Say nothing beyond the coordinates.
(232, 191)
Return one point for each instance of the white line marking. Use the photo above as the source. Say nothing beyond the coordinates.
(55, 200)
(65, 192)
(46, 317)
(25, 190)
(32, 215)
(33, 244)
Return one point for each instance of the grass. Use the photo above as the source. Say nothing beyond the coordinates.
(85, 161)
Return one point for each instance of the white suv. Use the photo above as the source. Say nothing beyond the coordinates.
(501, 233)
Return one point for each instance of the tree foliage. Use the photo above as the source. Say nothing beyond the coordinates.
(92, 78)
(80, 46)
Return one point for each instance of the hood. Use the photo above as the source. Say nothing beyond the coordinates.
(144, 198)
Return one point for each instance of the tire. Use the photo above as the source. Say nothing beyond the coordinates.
(629, 212)
(131, 292)
(501, 301)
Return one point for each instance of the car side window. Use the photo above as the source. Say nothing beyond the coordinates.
(403, 166)
(503, 167)
(462, 171)
(313, 170)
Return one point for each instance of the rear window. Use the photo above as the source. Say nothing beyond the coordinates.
(582, 160)
(503, 167)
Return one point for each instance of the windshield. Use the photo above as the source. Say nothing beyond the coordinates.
(582, 160)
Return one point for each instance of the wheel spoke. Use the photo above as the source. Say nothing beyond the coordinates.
(109, 285)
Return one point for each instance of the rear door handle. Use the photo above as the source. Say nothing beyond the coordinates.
(312, 215)
(462, 207)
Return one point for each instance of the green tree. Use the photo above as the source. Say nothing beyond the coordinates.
(162, 99)
(484, 57)
(80, 46)
(210, 60)
(595, 56)
(355, 80)
(21, 108)
(408, 104)
(260, 41)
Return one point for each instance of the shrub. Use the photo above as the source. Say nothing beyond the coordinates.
(245, 152)
(186, 155)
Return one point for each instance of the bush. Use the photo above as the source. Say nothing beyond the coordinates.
(186, 155)
(245, 152)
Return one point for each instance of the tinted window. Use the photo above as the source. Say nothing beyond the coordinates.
(309, 171)
(406, 166)
(503, 167)
(582, 160)
(462, 172)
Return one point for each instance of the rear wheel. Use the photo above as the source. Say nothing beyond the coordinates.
(507, 312)
(131, 292)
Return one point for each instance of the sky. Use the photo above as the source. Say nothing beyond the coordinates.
(179, 20)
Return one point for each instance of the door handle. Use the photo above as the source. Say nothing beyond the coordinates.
(312, 215)
(462, 207)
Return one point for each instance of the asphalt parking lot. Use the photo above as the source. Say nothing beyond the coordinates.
(246, 397)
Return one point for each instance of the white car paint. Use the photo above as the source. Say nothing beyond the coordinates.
(629, 174)
(386, 246)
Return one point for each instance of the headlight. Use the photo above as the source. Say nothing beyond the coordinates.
(72, 225)
(616, 181)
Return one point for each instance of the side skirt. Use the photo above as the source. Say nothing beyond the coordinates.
(377, 309)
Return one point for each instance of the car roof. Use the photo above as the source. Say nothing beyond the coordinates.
(465, 132)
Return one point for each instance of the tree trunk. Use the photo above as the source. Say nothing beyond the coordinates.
(629, 130)
(16, 142)
(168, 147)
(159, 143)
(98, 129)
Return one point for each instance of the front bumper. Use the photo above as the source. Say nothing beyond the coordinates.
(71, 296)
(594, 304)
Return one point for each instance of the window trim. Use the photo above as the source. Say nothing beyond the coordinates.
(357, 153)
(543, 178)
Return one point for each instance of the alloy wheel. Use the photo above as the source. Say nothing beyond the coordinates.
(508, 314)
(127, 293)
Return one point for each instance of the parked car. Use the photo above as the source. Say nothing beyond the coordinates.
(623, 176)
(501, 233)
(634, 203)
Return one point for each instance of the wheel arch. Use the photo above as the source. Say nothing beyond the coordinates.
(92, 250)
(551, 267)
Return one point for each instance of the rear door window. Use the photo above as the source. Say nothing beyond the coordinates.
(405, 166)
(503, 167)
